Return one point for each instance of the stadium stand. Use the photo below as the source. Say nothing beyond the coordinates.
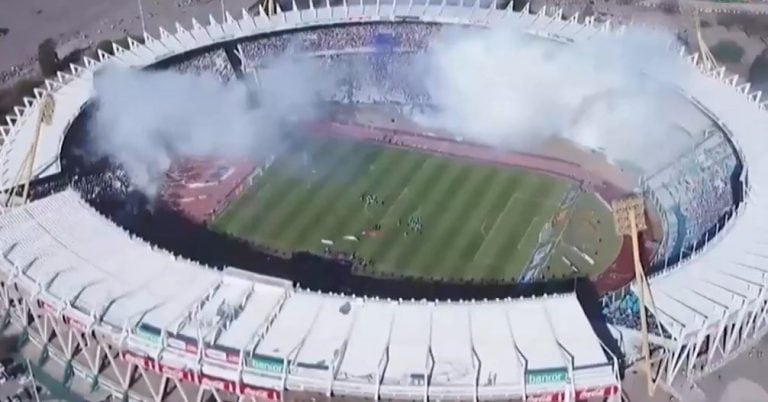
(89, 269)
(215, 62)
(694, 194)
(64, 270)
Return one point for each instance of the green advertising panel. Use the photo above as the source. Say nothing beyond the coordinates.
(148, 334)
(267, 364)
(551, 376)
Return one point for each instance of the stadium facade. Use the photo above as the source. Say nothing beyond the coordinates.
(147, 325)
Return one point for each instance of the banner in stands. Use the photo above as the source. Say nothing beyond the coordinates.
(149, 334)
(221, 355)
(592, 393)
(549, 376)
(218, 383)
(201, 379)
(582, 395)
(267, 364)
(182, 343)
(551, 397)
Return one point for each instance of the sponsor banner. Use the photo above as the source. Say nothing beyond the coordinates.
(591, 393)
(216, 354)
(542, 377)
(259, 393)
(552, 397)
(267, 364)
(179, 374)
(218, 383)
(148, 334)
(223, 356)
(201, 379)
(176, 343)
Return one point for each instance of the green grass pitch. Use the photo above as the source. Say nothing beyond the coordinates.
(479, 222)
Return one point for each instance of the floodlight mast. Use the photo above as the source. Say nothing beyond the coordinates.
(270, 7)
(26, 171)
(629, 218)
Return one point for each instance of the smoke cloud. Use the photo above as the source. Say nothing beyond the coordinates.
(146, 119)
(497, 86)
(507, 88)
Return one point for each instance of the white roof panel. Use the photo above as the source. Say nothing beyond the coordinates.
(325, 340)
(257, 310)
(367, 341)
(409, 344)
(534, 336)
(452, 345)
(495, 347)
(291, 327)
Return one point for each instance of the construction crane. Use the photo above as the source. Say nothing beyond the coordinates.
(705, 56)
(629, 220)
(26, 171)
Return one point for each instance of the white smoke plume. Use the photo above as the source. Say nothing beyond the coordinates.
(147, 119)
(498, 86)
(504, 87)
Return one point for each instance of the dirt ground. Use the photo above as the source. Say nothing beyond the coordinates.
(76, 24)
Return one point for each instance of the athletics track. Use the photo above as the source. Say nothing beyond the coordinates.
(203, 202)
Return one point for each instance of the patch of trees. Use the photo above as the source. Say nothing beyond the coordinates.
(727, 51)
(758, 72)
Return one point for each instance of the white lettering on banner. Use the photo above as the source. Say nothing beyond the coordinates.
(260, 393)
(585, 394)
(223, 385)
(554, 397)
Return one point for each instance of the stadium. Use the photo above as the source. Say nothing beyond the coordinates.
(429, 267)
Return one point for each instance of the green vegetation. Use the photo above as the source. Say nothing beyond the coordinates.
(727, 51)
(464, 220)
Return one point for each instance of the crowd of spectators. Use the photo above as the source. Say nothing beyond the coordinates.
(372, 62)
(112, 183)
(375, 78)
(348, 38)
(697, 191)
(625, 312)
(215, 62)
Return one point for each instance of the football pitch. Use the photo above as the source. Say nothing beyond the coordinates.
(413, 214)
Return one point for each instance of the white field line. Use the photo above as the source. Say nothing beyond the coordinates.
(495, 225)
(530, 225)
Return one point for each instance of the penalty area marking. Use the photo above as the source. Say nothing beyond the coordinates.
(522, 239)
(499, 218)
